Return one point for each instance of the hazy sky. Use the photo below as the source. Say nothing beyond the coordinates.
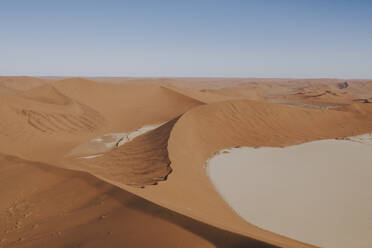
(277, 38)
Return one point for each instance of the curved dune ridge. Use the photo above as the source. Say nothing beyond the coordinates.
(197, 125)
(142, 161)
(128, 106)
(205, 130)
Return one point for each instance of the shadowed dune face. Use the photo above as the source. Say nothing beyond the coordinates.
(142, 161)
(60, 208)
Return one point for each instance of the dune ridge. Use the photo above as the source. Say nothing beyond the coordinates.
(237, 123)
(140, 162)
(20, 83)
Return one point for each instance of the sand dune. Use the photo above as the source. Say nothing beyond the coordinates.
(21, 83)
(59, 208)
(66, 113)
(143, 161)
(128, 106)
(47, 94)
(45, 123)
(209, 128)
(46, 115)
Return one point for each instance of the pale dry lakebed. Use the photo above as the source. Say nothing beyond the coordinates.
(318, 192)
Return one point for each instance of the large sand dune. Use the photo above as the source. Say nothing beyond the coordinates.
(59, 208)
(66, 113)
(128, 106)
(46, 122)
(206, 129)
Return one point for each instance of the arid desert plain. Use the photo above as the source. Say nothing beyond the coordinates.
(185, 162)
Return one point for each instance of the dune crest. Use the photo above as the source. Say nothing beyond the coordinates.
(206, 129)
(140, 162)
(47, 94)
(20, 83)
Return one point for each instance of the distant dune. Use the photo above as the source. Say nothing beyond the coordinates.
(21, 83)
(158, 179)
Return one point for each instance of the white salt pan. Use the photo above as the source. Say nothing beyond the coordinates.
(92, 156)
(318, 192)
(110, 140)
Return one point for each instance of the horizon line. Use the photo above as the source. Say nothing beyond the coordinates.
(184, 77)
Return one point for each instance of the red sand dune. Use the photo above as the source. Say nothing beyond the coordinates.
(207, 129)
(60, 208)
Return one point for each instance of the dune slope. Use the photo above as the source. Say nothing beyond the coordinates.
(142, 161)
(128, 106)
(66, 113)
(45, 115)
(21, 83)
(60, 208)
(207, 129)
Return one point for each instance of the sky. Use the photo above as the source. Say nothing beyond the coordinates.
(203, 38)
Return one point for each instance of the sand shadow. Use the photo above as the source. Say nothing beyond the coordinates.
(218, 237)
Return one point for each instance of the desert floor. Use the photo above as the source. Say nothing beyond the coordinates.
(122, 162)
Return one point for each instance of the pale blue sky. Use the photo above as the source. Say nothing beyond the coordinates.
(288, 38)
